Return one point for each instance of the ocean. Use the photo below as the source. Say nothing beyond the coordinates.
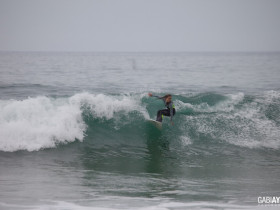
(74, 132)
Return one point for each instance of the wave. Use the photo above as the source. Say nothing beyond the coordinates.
(45, 122)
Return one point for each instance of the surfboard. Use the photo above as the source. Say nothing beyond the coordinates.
(156, 123)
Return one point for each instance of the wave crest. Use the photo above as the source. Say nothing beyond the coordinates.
(43, 122)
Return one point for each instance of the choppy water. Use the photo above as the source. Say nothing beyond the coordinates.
(74, 131)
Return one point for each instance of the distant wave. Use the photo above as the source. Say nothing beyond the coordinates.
(44, 122)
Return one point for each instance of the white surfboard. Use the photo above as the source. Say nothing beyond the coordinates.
(156, 123)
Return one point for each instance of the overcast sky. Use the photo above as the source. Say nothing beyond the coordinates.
(140, 25)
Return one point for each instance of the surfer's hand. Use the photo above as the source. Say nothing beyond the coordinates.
(150, 94)
(172, 123)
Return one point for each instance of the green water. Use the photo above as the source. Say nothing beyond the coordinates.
(74, 132)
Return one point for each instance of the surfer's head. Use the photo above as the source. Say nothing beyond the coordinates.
(167, 98)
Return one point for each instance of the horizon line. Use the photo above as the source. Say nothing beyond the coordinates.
(171, 51)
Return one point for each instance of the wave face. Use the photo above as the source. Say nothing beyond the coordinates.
(250, 121)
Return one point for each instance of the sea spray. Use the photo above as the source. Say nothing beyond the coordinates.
(44, 122)
(40, 122)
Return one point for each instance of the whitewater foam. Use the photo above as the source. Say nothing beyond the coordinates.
(255, 128)
(244, 125)
(224, 105)
(36, 123)
(185, 140)
(104, 106)
(40, 122)
(43, 122)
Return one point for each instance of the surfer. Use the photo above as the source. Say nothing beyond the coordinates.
(170, 108)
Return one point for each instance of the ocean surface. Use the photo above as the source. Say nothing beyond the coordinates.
(74, 132)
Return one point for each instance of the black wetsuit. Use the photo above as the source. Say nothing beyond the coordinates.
(169, 111)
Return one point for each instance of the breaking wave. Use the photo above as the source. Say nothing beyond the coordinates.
(250, 121)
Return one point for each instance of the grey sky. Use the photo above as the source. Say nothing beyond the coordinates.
(140, 25)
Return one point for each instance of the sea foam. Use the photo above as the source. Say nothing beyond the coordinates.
(40, 122)
(43, 122)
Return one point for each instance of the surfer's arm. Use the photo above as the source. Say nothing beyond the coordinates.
(151, 95)
(157, 97)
